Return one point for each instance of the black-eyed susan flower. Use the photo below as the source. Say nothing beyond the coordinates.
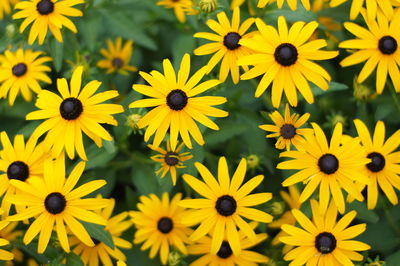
(225, 45)
(181, 8)
(10, 233)
(116, 225)
(372, 6)
(226, 202)
(20, 72)
(383, 170)
(4, 254)
(292, 198)
(287, 129)
(54, 203)
(47, 14)
(76, 111)
(5, 7)
(176, 106)
(117, 57)
(330, 166)
(170, 160)
(292, 3)
(284, 58)
(159, 225)
(225, 255)
(324, 241)
(19, 161)
(378, 46)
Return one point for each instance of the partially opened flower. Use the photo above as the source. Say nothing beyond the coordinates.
(159, 225)
(225, 255)
(330, 166)
(225, 46)
(76, 111)
(378, 46)
(224, 204)
(21, 161)
(55, 203)
(170, 160)
(324, 241)
(20, 72)
(116, 225)
(117, 57)
(287, 129)
(176, 105)
(45, 15)
(285, 59)
(383, 170)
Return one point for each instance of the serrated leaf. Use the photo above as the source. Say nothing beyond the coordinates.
(98, 232)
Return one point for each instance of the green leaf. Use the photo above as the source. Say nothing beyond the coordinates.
(228, 129)
(363, 213)
(333, 86)
(99, 156)
(393, 259)
(97, 232)
(31, 250)
(73, 260)
(57, 53)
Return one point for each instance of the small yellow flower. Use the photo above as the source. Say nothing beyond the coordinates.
(181, 7)
(208, 6)
(117, 57)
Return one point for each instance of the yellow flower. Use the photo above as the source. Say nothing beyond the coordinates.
(372, 6)
(4, 254)
(285, 60)
(225, 255)
(55, 203)
(287, 129)
(225, 45)
(159, 225)
(378, 46)
(323, 241)
(170, 160)
(20, 72)
(332, 167)
(10, 234)
(177, 106)
(292, 3)
(19, 161)
(75, 111)
(47, 14)
(5, 7)
(117, 57)
(181, 7)
(293, 200)
(383, 170)
(226, 202)
(116, 225)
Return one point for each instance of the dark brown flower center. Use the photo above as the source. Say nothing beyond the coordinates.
(71, 108)
(18, 170)
(377, 162)
(226, 205)
(117, 62)
(171, 158)
(328, 163)
(288, 131)
(231, 40)
(177, 100)
(224, 251)
(45, 7)
(165, 225)
(325, 242)
(286, 54)
(387, 45)
(55, 203)
(19, 69)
